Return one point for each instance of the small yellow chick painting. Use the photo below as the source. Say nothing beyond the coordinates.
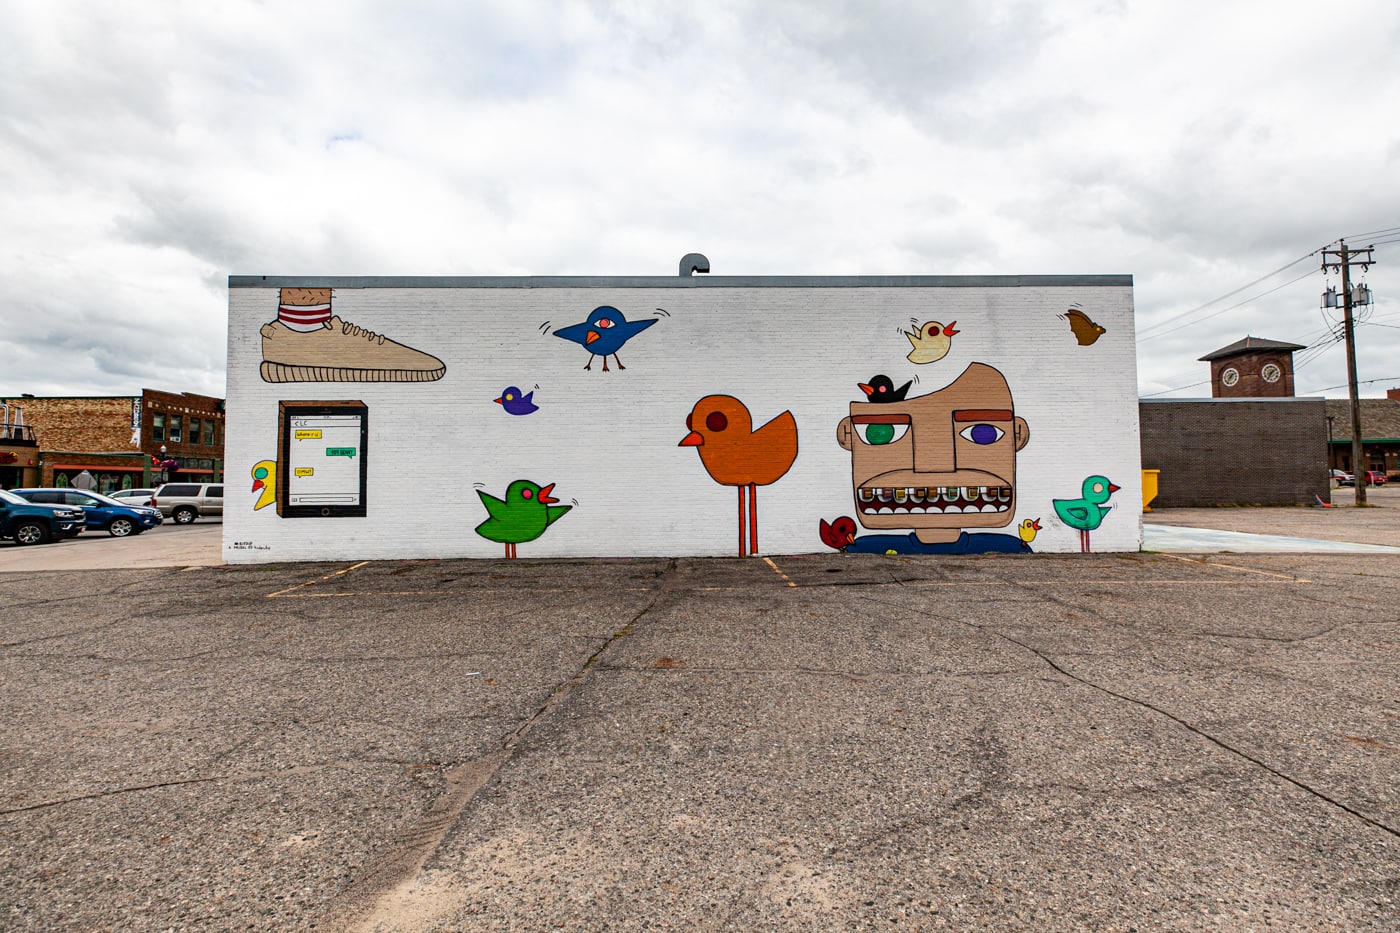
(1027, 529)
(265, 479)
(931, 342)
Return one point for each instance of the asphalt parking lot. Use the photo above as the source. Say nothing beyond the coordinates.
(1052, 742)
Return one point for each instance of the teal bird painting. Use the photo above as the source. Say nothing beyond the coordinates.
(523, 515)
(1087, 512)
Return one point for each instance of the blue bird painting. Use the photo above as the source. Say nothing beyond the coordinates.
(603, 334)
(516, 402)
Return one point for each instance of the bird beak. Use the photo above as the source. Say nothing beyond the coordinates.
(257, 484)
(948, 331)
(499, 402)
(1036, 524)
(693, 439)
(545, 496)
(1113, 488)
(868, 390)
(592, 336)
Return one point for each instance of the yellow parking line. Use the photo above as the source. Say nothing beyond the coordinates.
(770, 563)
(321, 580)
(1266, 573)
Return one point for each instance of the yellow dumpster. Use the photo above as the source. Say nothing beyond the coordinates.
(1149, 488)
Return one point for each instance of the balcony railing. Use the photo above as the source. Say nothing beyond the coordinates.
(17, 435)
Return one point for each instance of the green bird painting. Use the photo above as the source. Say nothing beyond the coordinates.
(1087, 512)
(523, 515)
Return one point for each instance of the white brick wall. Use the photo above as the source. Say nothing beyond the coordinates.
(608, 440)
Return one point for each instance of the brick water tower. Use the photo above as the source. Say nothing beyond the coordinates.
(1252, 368)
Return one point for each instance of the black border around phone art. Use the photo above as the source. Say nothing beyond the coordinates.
(288, 410)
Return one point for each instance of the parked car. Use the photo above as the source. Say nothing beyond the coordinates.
(1343, 478)
(30, 523)
(1375, 478)
(103, 513)
(134, 496)
(184, 502)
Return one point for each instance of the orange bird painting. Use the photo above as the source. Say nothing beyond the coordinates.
(734, 454)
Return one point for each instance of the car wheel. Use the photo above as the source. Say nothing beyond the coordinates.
(184, 515)
(121, 527)
(31, 533)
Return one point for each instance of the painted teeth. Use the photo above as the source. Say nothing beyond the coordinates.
(938, 499)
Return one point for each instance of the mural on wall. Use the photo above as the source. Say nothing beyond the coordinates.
(516, 402)
(308, 343)
(265, 483)
(523, 515)
(931, 342)
(936, 463)
(1085, 330)
(734, 454)
(604, 333)
(1086, 513)
(930, 384)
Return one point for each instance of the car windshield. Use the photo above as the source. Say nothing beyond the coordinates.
(106, 500)
(7, 496)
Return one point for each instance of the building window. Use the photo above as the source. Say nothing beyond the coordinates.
(194, 430)
(158, 426)
(177, 433)
(209, 433)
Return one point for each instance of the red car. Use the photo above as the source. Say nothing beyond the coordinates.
(1375, 478)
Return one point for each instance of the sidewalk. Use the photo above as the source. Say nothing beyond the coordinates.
(1295, 528)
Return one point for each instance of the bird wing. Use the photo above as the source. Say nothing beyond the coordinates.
(575, 332)
(1074, 512)
(631, 328)
(554, 513)
(913, 339)
(497, 508)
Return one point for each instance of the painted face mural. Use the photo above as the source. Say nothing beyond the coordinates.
(937, 464)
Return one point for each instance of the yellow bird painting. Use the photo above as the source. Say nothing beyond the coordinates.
(931, 342)
(265, 479)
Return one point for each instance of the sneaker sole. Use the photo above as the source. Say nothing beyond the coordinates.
(278, 372)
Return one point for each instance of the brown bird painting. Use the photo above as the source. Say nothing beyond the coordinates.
(1085, 330)
(734, 454)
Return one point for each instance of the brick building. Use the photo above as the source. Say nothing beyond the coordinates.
(123, 441)
(1252, 368)
(1236, 451)
(1380, 433)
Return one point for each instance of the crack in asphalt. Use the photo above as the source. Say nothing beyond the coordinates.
(1221, 743)
(384, 889)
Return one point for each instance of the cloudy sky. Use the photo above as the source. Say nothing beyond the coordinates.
(149, 150)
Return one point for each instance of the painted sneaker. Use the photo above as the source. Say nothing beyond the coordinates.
(339, 351)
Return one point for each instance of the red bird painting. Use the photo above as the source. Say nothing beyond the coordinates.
(734, 454)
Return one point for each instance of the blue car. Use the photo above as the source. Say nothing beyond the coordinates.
(103, 512)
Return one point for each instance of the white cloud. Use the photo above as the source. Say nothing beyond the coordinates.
(147, 152)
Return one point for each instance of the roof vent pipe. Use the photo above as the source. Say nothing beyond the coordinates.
(692, 263)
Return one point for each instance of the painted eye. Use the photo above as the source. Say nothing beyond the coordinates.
(982, 433)
(1098, 487)
(688, 425)
(509, 397)
(260, 473)
(716, 421)
(604, 322)
(527, 494)
(877, 435)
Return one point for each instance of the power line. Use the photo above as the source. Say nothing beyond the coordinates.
(1357, 236)
(1237, 304)
(1202, 307)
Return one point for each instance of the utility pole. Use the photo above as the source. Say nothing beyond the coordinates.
(1345, 259)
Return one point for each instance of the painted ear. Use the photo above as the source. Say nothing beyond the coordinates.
(843, 433)
(1023, 433)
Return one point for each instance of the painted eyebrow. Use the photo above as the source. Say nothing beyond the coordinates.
(982, 414)
(881, 419)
